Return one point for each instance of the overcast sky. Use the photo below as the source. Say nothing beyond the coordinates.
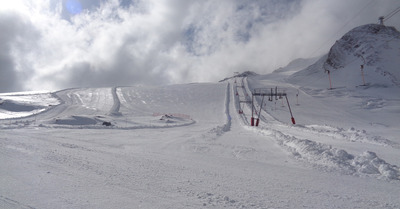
(57, 44)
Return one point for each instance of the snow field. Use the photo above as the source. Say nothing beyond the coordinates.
(215, 161)
(318, 145)
(25, 104)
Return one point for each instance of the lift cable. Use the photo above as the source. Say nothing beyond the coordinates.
(341, 28)
(391, 14)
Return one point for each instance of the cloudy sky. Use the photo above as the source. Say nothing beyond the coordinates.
(57, 44)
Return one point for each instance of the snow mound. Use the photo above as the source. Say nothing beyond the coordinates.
(116, 122)
(24, 104)
(13, 106)
(370, 163)
(75, 120)
(351, 134)
(170, 119)
(330, 158)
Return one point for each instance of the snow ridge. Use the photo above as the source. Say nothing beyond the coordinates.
(228, 123)
(117, 104)
(330, 158)
(220, 130)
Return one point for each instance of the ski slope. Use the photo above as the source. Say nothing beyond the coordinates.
(186, 146)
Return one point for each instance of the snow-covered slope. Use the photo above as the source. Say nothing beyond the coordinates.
(295, 66)
(23, 104)
(188, 146)
(376, 47)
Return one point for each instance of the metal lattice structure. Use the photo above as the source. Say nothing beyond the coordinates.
(271, 93)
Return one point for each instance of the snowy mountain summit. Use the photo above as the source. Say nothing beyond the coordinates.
(366, 55)
(372, 44)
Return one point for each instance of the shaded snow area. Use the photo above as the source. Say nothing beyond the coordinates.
(25, 104)
(193, 146)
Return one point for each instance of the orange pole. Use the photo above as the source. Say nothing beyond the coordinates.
(330, 81)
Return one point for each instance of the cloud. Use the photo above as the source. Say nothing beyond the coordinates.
(90, 43)
(16, 41)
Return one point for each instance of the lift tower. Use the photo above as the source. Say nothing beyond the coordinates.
(270, 93)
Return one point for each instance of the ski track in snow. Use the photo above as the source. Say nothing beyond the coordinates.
(89, 112)
(305, 149)
(324, 156)
(117, 104)
(146, 163)
(10, 203)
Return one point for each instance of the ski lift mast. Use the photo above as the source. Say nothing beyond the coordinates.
(270, 93)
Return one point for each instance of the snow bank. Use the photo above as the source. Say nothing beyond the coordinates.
(110, 122)
(351, 134)
(117, 104)
(75, 120)
(13, 106)
(219, 130)
(330, 158)
(22, 104)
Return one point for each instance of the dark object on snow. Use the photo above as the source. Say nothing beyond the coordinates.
(106, 123)
(165, 117)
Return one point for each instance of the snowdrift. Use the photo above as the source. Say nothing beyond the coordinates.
(23, 104)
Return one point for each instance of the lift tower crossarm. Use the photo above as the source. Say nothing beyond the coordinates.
(269, 92)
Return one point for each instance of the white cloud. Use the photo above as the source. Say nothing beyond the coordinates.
(115, 42)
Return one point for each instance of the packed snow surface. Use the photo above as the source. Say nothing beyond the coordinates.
(193, 146)
(187, 146)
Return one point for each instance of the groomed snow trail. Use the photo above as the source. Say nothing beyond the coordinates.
(218, 161)
(316, 144)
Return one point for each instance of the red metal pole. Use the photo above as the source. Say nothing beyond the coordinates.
(330, 81)
(290, 110)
